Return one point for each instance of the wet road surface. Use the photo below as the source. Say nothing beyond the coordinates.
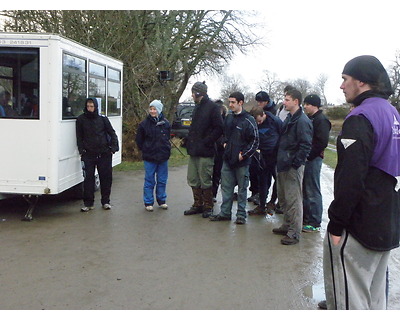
(130, 259)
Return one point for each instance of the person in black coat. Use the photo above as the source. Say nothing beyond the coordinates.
(219, 152)
(241, 142)
(97, 142)
(294, 148)
(312, 198)
(204, 131)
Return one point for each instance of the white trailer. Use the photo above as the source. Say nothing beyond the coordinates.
(44, 82)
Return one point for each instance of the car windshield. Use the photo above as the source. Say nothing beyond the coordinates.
(184, 111)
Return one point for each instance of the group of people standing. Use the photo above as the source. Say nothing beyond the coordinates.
(259, 139)
(364, 217)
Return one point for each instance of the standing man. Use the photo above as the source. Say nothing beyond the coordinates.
(269, 130)
(241, 142)
(265, 102)
(294, 147)
(204, 131)
(97, 142)
(312, 198)
(282, 112)
(364, 216)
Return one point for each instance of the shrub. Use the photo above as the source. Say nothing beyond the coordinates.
(337, 113)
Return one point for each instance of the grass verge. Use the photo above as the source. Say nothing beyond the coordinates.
(178, 158)
(330, 158)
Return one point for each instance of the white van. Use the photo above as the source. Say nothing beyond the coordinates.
(44, 82)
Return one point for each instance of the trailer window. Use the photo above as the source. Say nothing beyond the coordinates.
(114, 92)
(97, 84)
(74, 86)
(19, 83)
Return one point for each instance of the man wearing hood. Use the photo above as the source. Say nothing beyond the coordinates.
(205, 130)
(152, 139)
(97, 142)
(364, 216)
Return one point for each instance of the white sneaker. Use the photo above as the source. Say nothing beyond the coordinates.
(164, 206)
(149, 208)
(86, 209)
(106, 206)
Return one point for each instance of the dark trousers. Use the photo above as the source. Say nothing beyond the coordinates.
(274, 194)
(254, 170)
(312, 198)
(265, 176)
(216, 179)
(103, 163)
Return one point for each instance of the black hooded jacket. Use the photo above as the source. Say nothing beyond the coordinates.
(94, 132)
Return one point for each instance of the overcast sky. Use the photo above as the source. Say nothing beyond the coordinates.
(309, 37)
(304, 38)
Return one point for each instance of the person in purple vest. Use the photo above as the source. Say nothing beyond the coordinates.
(364, 216)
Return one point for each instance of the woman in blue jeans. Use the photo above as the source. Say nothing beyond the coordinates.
(153, 141)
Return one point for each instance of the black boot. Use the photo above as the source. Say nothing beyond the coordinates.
(197, 206)
(208, 202)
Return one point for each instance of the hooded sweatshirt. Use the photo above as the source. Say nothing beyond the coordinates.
(94, 132)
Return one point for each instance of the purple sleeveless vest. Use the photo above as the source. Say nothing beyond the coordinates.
(385, 120)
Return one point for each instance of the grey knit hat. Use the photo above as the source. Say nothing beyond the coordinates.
(158, 105)
(200, 88)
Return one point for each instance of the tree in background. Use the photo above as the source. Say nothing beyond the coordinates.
(272, 85)
(148, 41)
(319, 87)
(394, 74)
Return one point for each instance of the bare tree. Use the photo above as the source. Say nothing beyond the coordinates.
(234, 83)
(303, 86)
(272, 85)
(148, 41)
(394, 74)
(319, 87)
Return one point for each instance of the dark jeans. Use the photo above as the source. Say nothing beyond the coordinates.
(274, 195)
(265, 177)
(103, 163)
(231, 177)
(312, 198)
(216, 179)
(254, 170)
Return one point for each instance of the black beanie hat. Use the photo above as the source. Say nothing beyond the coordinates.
(369, 69)
(200, 88)
(262, 96)
(313, 99)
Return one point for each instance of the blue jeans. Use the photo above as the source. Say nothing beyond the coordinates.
(312, 198)
(156, 175)
(229, 179)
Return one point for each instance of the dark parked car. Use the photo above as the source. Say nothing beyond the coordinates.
(182, 120)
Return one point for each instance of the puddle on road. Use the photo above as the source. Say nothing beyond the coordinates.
(315, 292)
